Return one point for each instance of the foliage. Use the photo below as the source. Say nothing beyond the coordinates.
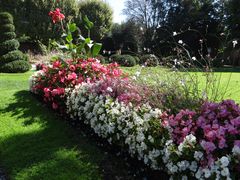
(123, 60)
(149, 60)
(11, 59)
(79, 47)
(31, 17)
(18, 66)
(100, 14)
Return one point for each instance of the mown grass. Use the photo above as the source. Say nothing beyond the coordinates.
(36, 144)
(227, 80)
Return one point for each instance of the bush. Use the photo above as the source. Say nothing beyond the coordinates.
(127, 60)
(149, 60)
(7, 35)
(12, 56)
(123, 60)
(15, 67)
(114, 58)
(137, 59)
(9, 45)
(7, 28)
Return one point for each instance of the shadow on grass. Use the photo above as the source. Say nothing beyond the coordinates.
(40, 146)
(220, 70)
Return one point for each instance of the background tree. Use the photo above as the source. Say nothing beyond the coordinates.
(100, 14)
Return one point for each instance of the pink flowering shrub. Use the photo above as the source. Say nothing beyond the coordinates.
(59, 75)
(216, 128)
(122, 89)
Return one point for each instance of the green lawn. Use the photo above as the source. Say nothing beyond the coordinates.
(36, 144)
(229, 78)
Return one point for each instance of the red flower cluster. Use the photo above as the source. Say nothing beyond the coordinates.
(55, 78)
(56, 15)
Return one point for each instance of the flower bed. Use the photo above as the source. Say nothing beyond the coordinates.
(204, 143)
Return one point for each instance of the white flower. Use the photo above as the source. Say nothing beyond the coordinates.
(194, 58)
(198, 174)
(180, 42)
(235, 42)
(207, 173)
(174, 33)
(137, 73)
(224, 161)
(134, 78)
(184, 177)
(109, 89)
(225, 172)
(236, 151)
(193, 167)
(198, 155)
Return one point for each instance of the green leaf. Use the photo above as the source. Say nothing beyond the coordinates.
(87, 23)
(87, 40)
(69, 38)
(96, 49)
(72, 27)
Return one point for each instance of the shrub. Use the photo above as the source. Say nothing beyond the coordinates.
(7, 28)
(12, 56)
(18, 66)
(124, 60)
(9, 45)
(7, 35)
(114, 58)
(137, 59)
(6, 18)
(149, 60)
(11, 59)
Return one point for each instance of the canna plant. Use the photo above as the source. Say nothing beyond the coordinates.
(79, 47)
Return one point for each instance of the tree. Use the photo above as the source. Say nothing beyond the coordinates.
(100, 14)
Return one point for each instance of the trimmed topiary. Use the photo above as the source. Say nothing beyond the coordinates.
(7, 28)
(12, 56)
(15, 67)
(11, 59)
(6, 18)
(7, 35)
(149, 60)
(9, 45)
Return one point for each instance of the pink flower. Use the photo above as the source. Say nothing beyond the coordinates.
(56, 64)
(72, 76)
(54, 105)
(72, 67)
(237, 143)
(209, 147)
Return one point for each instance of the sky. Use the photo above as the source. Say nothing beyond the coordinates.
(117, 6)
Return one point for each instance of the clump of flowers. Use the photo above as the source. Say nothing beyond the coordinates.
(210, 137)
(59, 75)
(56, 15)
(121, 89)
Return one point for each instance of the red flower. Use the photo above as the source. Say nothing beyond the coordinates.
(56, 15)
